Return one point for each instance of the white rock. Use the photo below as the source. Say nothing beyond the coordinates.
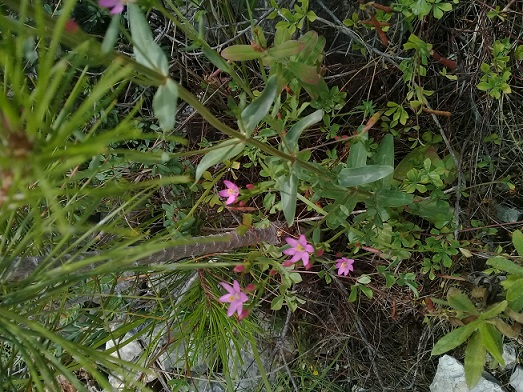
(510, 355)
(516, 379)
(450, 377)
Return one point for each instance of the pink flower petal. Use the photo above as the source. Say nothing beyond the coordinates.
(305, 258)
(290, 251)
(227, 287)
(236, 286)
(117, 9)
(231, 185)
(108, 3)
(225, 298)
(291, 241)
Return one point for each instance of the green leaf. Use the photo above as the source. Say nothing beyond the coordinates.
(455, 338)
(353, 294)
(215, 59)
(461, 302)
(492, 340)
(517, 240)
(241, 53)
(257, 109)
(438, 13)
(164, 104)
(111, 35)
(288, 191)
(385, 156)
(357, 155)
(367, 291)
(304, 72)
(437, 211)
(223, 151)
(290, 140)
(494, 310)
(503, 264)
(295, 277)
(483, 86)
(277, 303)
(363, 175)
(313, 49)
(392, 198)
(147, 51)
(364, 279)
(514, 292)
(286, 49)
(445, 7)
(475, 356)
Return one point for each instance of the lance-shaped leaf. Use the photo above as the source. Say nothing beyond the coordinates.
(257, 109)
(363, 175)
(313, 50)
(514, 296)
(455, 338)
(286, 49)
(357, 154)
(392, 198)
(505, 265)
(111, 35)
(385, 156)
(241, 53)
(461, 302)
(494, 310)
(303, 72)
(493, 341)
(475, 356)
(147, 51)
(288, 191)
(290, 140)
(164, 104)
(223, 151)
(517, 240)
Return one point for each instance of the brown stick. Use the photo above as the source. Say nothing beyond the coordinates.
(23, 267)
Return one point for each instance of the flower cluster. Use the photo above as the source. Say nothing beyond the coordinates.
(299, 249)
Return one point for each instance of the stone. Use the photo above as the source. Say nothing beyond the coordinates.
(450, 376)
(516, 379)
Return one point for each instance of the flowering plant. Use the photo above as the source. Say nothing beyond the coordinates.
(231, 192)
(235, 297)
(344, 266)
(299, 250)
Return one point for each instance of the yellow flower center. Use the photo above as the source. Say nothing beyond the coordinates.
(300, 248)
(234, 297)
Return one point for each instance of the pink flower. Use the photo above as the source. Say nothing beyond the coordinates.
(235, 297)
(344, 266)
(116, 6)
(232, 192)
(299, 250)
